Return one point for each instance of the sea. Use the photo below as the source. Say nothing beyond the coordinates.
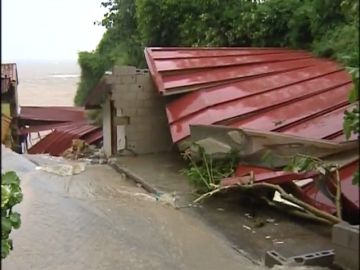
(47, 83)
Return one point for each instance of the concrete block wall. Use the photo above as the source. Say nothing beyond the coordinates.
(134, 96)
(345, 239)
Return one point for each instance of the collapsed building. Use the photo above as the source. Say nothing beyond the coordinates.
(252, 100)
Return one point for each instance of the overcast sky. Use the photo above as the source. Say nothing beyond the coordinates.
(49, 29)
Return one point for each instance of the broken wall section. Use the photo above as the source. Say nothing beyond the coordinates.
(141, 109)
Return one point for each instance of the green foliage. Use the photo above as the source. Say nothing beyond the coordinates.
(206, 173)
(119, 45)
(303, 163)
(327, 27)
(351, 118)
(10, 196)
(351, 122)
(340, 43)
(92, 68)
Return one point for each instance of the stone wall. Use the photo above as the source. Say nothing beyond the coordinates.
(136, 98)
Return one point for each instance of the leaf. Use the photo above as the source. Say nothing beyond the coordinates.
(5, 248)
(15, 220)
(10, 178)
(6, 226)
(5, 195)
(353, 95)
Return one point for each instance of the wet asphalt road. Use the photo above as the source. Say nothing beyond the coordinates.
(99, 220)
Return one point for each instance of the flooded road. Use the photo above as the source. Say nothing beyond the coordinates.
(99, 220)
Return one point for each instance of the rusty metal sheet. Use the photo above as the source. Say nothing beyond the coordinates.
(259, 88)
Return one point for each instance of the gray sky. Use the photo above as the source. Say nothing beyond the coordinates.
(49, 29)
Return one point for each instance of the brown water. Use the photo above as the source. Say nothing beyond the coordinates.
(45, 83)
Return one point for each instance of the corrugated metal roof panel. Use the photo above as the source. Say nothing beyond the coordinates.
(43, 127)
(59, 114)
(309, 193)
(60, 139)
(68, 123)
(261, 88)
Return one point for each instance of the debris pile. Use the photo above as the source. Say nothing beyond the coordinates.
(82, 151)
(307, 186)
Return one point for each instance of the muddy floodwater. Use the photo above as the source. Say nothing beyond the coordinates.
(99, 220)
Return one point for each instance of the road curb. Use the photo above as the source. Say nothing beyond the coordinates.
(137, 179)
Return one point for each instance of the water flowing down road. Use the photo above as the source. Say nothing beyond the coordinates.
(99, 220)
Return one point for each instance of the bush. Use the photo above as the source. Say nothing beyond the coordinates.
(327, 27)
(10, 196)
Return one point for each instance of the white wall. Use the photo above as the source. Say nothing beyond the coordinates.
(107, 128)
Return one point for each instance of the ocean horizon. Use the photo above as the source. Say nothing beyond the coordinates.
(47, 82)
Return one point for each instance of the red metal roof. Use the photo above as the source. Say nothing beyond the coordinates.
(9, 71)
(309, 193)
(68, 123)
(51, 114)
(61, 138)
(271, 89)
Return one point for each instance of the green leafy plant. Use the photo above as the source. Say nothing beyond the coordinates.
(351, 117)
(11, 195)
(206, 173)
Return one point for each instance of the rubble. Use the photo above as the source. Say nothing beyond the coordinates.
(323, 258)
(82, 151)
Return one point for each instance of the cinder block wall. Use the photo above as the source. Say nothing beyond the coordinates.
(345, 239)
(134, 96)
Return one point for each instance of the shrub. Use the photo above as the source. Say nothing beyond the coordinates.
(10, 196)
